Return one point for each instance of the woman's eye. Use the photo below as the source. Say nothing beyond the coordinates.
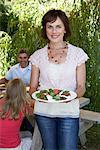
(49, 27)
(58, 26)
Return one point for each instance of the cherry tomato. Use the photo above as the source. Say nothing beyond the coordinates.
(56, 91)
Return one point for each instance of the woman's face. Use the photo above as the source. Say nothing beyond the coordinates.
(55, 31)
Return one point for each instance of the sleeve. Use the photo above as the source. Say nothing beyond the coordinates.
(35, 58)
(8, 75)
(82, 57)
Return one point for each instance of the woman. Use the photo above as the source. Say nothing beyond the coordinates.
(58, 65)
(13, 108)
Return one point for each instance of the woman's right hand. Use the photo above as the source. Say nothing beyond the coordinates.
(31, 90)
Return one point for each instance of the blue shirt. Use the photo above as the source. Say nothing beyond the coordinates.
(16, 72)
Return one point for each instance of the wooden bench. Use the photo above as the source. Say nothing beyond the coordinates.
(88, 118)
(84, 126)
(90, 115)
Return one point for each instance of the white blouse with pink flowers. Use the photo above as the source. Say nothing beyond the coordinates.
(61, 76)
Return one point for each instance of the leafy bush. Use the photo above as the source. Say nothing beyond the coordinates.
(5, 52)
(4, 16)
(85, 31)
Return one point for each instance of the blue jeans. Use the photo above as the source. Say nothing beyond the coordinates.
(58, 133)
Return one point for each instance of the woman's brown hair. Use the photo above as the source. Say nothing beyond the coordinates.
(51, 16)
(16, 99)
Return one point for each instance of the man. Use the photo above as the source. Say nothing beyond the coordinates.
(21, 70)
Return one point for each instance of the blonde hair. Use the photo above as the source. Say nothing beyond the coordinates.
(16, 99)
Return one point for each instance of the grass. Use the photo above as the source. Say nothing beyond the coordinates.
(93, 139)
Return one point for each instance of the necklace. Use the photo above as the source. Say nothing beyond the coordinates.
(63, 47)
(57, 55)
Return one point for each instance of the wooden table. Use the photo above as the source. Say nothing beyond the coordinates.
(84, 101)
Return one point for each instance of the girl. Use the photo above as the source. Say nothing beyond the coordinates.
(13, 108)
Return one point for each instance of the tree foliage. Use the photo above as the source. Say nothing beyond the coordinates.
(4, 16)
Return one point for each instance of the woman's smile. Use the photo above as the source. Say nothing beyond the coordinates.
(54, 36)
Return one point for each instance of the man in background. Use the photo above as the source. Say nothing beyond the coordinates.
(21, 70)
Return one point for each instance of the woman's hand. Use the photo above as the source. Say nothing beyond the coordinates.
(80, 91)
(32, 90)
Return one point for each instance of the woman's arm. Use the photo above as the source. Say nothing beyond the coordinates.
(81, 78)
(34, 80)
